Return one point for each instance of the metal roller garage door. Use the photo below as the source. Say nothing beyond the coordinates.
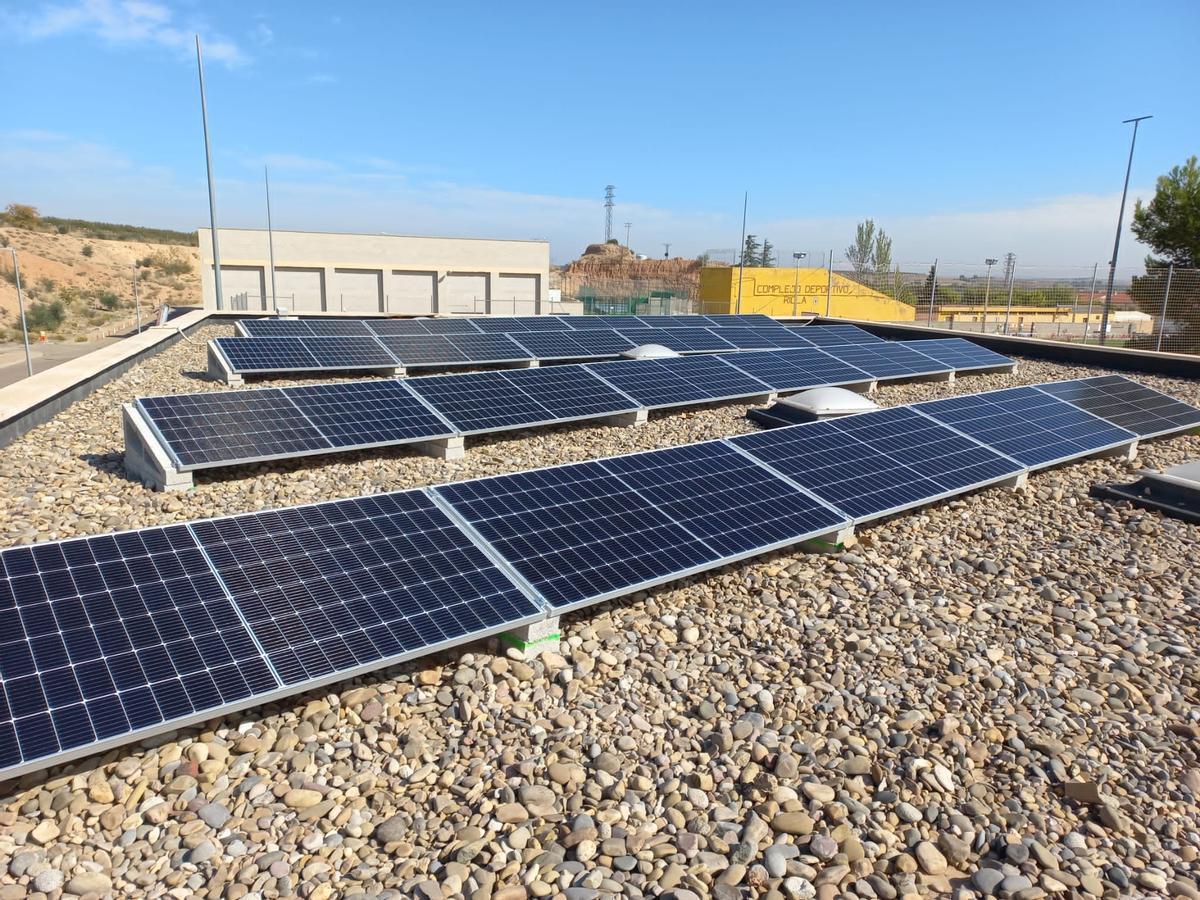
(300, 290)
(464, 292)
(516, 294)
(357, 290)
(239, 280)
(412, 292)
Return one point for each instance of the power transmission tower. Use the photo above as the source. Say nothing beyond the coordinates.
(1010, 266)
(666, 251)
(608, 208)
(628, 225)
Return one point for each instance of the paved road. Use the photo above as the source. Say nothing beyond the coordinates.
(45, 356)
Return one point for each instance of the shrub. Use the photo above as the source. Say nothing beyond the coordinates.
(172, 263)
(88, 250)
(63, 229)
(42, 316)
(22, 215)
(68, 293)
(108, 300)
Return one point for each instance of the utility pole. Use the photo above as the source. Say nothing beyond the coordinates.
(1112, 266)
(137, 304)
(742, 251)
(1087, 322)
(21, 310)
(212, 192)
(270, 241)
(829, 285)
(609, 190)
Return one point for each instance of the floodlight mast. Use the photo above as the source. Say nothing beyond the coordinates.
(796, 287)
(1112, 265)
(212, 192)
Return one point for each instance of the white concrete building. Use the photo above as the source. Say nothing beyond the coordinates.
(376, 273)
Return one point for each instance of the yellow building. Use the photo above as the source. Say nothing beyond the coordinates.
(786, 292)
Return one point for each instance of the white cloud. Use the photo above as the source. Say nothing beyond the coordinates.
(123, 22)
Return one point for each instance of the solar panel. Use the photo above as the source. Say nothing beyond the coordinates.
(201, 430)
(571, 345)
(583, 533)
(487, 347)
(338, 328)
(110, 636)
(834, 335)
(681, 340)
(960, 353)
(424, 349)
(405, 327)
(275, 328)
(887, 359)
(266, 354)
(680, 321)
(367, 413)
(1027, 424)
(498, 401)
(761, 338)
(878, 463)
(349, 353)
(449, 326)
(512, 324)
(790, 370)
(679, 380)
(748, 320)
(352, 585)
(1142, 410)
(729, 501)
(580, 323)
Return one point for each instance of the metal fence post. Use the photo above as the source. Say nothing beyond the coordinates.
(1012, 280)
(21, 309)
(1087, 322)
(829, 286)
(1162, 316)
(933, 292)
(137, 305)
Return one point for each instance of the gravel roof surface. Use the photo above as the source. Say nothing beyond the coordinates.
(993, 695)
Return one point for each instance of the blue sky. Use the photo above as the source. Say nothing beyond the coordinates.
(965, 130)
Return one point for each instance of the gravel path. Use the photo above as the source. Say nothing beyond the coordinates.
(993, 696)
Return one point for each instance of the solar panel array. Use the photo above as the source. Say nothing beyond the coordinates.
(205, 430)
(117, 637)
(285, 345)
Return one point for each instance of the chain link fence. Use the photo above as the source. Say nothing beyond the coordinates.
(1158, 310)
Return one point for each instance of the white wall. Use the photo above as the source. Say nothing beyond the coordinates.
(380, 273)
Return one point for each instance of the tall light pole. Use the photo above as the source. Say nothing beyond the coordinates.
(987, 292)
(1112, 266)
(270, 241)
(742, 250)
(212, 191)
(796, 287)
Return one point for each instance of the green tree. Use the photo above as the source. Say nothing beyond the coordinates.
(871, 252)
(1170, 223)
(766, 259)
(750, 252)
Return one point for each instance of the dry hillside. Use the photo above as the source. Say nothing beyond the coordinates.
(89, 280)
(613, 270)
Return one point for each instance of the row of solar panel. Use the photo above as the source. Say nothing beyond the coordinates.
(115, 637)
(211, 429)
(330, 327)
(260, 355)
